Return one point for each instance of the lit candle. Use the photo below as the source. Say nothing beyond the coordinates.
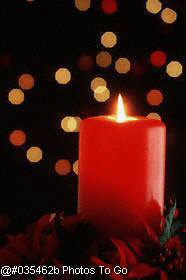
(121, 171)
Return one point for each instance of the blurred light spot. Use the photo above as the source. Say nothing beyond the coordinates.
(34, 154)
(168, 15)
(174, 69)
(16, 96)
(104, 59)
(63, 76)
(122, 65)
(101, 94)
(75, 167)
(62, 167)
(70, 124)
(17, 137)
(109, 6)
(153, 116)
(82, 5)
(108, 39)
(154, 97)
(96, 82)
(158, 58)
(26, 81)
(153, 6)
(85, 62)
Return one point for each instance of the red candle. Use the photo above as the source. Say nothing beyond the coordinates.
(121, 172)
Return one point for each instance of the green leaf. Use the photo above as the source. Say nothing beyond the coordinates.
(168, 225)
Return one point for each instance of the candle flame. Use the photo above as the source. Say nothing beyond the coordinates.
(120, 115)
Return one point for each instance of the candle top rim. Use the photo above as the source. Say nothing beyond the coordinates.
(131, 119)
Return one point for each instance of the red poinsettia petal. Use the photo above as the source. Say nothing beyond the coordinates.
(127, 256)
(20, 244)
(174, 243)
(163, 275)
(50, 245)
(113, 275)
(122, 248)
(9, 258)
(151, 234)
(143, 270)
(99, 262)
(71, 222)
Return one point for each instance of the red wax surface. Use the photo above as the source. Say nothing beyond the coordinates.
(121, 173)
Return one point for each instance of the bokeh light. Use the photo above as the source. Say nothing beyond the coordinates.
(154, 97)
(70, 124)
(85, 62)
(16, 96)
(154, 116)
(108, 39)
(75, 167)
(153, 6)
(174, 69)
(104, 59)
(122, 65)
(62, 167)
(96, 82)
(17, 137)
(82, 5)
(26, 81)
(168, 15)
(158, 58)
(109, 6)
(34, 154)
(101, 94)
(63, 76)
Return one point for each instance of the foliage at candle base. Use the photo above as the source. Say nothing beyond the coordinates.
(73, 241)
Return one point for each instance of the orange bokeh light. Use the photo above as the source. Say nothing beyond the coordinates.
(109, 6)
(62, 167)
(17, 137)
(26, 81)
(158, 58)
(154, 97)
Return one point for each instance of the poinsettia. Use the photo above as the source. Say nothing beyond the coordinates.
(58, 240)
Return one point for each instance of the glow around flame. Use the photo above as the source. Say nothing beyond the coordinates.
(120, 115)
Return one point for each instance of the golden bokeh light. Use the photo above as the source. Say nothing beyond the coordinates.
(108, 39)
(75, 167)
(122, 65)
(16, 96)
(104, 59)
(26, 81)
(63, 76)
(101, 94)
(17, 137)
(34, 154)
(70, 124)
(154, 116)
(153, 6)
(174, 69)
(96, 82)
(154, 97)
(168, 15)
(82, 5)
(62, 167)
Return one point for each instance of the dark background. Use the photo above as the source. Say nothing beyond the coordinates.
(41, 36)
